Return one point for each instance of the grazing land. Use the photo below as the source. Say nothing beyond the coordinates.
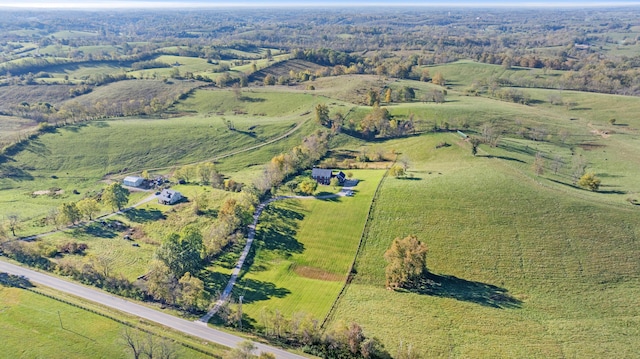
(473, 134)
(536, 263)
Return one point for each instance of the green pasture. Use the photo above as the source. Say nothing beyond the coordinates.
(461, 74)
(85, 72)
(73, 34)
(76, 157)
(256, 102)
(520, 266)
(32, 328)
(191, 64)
(349, 88)
(303, 251)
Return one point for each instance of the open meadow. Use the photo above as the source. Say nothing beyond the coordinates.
(519, 266)
(522, 261)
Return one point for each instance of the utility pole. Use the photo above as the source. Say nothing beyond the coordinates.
(240, 312)
(60, 318)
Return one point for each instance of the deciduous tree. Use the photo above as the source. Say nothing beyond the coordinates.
(115, 196)
(396, 171)
(538, 164)
(205, 172)
(69, 213)
(13, 223)
(475, 142)
(182, 252)
(438, 79)
(88, 207)
(387, 95)
(406, 261)
(191, 292)
(590, 181)
(307, 186)
(322, 114)
(244, 350)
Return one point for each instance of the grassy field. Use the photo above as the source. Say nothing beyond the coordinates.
(522, 269)
(31, 329)
(522, 265)
(461, 74)
(78, 157)
(303, 251)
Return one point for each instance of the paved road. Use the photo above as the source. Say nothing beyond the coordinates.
(195, 329)
(346, 189)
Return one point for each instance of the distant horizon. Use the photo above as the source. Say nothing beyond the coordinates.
(195, 4)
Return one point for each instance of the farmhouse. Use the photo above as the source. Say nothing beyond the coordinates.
(168, 196)
(324, 176)
(132, 181)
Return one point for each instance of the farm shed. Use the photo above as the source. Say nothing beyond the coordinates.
(168, 196)
(132, 181)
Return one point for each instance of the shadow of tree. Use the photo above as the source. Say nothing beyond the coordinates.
(503, 158)
(328, 197)
(15, 173)
(253, 290)
(96, 229)
(144, 215)
(448, 286)
(14, 281)
(251, 99)
(229, 257)
(277, 230)
(248, 323)
(214, 282)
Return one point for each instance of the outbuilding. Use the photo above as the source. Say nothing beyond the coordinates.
(133, 181)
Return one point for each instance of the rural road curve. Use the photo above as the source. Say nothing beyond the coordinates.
(195, 329)
(348, 187)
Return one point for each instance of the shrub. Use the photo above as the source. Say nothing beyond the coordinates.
(73, 247)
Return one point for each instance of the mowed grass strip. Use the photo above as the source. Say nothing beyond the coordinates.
(304, 249)
(520, 269)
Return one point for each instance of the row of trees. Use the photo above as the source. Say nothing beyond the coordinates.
(303, 156)
(114, 196)
(304, 331)
(376, 124)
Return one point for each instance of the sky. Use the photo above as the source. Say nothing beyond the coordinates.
(169, 4)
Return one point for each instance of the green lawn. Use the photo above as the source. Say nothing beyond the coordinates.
(523, 267)
(303, 251)
(31, 328)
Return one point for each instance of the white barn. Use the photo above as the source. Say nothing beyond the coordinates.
(132, 181)
(169, 196)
